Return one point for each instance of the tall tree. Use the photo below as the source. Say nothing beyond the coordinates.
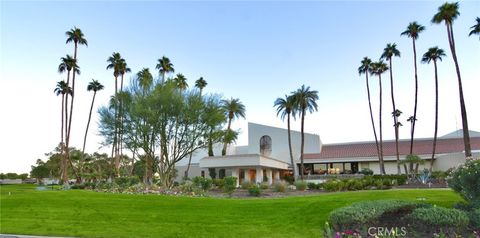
(94, 86)
(378, 68)
(62, 88)
(200, 84)
(305, 100)
(115, 63)
(123, 69)
(365, 68)
(389, 52)
(475, 28)
(286, 107)
(164, 67)
(234, 109)
(412, 31)
(447, 13)
(181, 82)
(145, 79)
(434, 54)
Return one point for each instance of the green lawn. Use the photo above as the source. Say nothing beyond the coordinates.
(91, 214)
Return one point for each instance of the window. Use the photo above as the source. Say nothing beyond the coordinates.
(265, 145)
(203, 174)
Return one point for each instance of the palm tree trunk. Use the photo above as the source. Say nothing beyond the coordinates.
(382, 166)
(115, 138)
(67, 142)
(436, 117)
(294, 166)
(63, 108)
(224, 150)
(88, 123)
(395, 119)
(371, 115)
(466, 136)
(302, 143)
(416, 96)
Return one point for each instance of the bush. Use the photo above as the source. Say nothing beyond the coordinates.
(401, 179)
(255, 190)
(280, 186)
(218, 183)
(246, 185)
(301, 185)
(230, 184)
(125, 182)
(289, 179)
(475, 218)
(77, 186)
(331, 185)
(465, 180)
(435, 219)
(366, 171)
(264, 185)
(203, 183)
(312, 186)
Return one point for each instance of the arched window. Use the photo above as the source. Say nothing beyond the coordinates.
(265, 145)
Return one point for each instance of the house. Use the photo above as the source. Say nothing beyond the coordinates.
(266, 157)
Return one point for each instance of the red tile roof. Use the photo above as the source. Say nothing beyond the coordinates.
(368, 149)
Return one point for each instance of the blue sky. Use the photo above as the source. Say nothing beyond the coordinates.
(255, 51)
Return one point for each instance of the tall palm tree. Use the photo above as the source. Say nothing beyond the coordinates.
(181, 82)
(123, 69)
(164, 67)
(62, 88)
(200, 84)
(389, 52)
(286, 107)
(234, 109)
(145, 79)
(434, 54)
(378, 68)
(475, 28)
(365, 68)
(76, 36)
(92, 86)
(304, 100)
(412, 31)
(447, 13)
(115, 63)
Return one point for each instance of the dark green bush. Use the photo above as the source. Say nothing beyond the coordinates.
(230, 184)
(439, 217)
(264, 185)
(289, 179)
(255, 190)
(331, 185)
(401, 179)
(301, 185)
(203, 183)
(280, 186)
(218, 183)
(475, 218)
(125, 182)
(246, 185)
(77, 186)
(465, 180)
(312, 186)
(366, 171)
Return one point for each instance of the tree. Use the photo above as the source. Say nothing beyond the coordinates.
(164, 67)
(365, 68)
(200, 84)
(234, 109)
(145, 79)
(378, 68)
(447, 13)
(62, 88)
(286, 107)
(181, 82)
(92, 86)
(304, 100)
(389, 52)
(412, 31)
(475, 28)
(434, 54)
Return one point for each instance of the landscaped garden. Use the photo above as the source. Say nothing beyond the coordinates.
(83, 213)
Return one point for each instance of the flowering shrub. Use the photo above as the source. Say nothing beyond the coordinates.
(465, 180)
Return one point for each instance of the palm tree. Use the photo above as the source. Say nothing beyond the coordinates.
(365, 68)
(181, 82)
(200, 84)
(389, 52)
(412, 31)
(304, 100)
(475, 28)
(434, 54)
(92, 86)
(164, 67)
(115, 63)
(447, 13)
(286, 107)
(145, 79)
(62, 88)
(234, 109)
(122, 70)
(378, 68)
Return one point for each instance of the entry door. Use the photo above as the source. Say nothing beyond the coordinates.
(252, 175)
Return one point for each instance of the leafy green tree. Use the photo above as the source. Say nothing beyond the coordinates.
(40, 171)
(305, 100)
(286, 107)
(164, 67)
(234, 109)
(475, 28)
(94, 86)
(365, 68)
(378, 68)
(434, 54)
(389, 52)
(214, 117)
(447, 13)
(412, 31)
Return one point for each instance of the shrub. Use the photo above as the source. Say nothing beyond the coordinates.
(331, 185)
(125, 182)
(366, 171)
(203, 183)
(77, 186)
(230, 184)
(246, 185)
(401, 179)
(218, 183)
(475, 218)
(434, 219)
(280, 186)
(465, 180)
(289, 179)
(301, 185)
(221, 173)
(212, 173)
(90, 185)
(312, 186)
(264, 185)
(255, 190)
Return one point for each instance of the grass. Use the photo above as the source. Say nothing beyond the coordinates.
(78, 213)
